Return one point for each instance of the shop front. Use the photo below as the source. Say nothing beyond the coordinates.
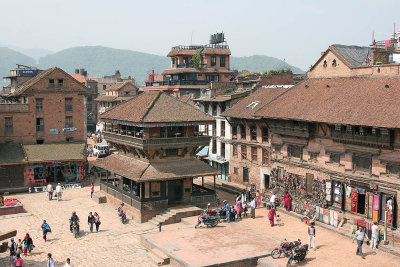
(60, 172)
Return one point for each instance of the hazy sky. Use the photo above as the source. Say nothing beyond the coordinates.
(297, 30)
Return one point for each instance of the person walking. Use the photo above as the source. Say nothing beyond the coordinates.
(271, 216)
(360, 235)
(245, 209)
(374, 235)
(311, 235)
(91, 190)
(97, 221)
(239, 209)
(46, 229)
(272, 200)
(18, 261)
(13, 247)
(28, 244)
(253, 206)
(59, 191)
(68, 264)
(258, 197)
(50, 261)
(19, 245)
(49, 190)
(91, 221)
(227, 211)
(287, 200)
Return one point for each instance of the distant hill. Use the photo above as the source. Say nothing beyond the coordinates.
(8, 59)
(258, 63)
(100, 61)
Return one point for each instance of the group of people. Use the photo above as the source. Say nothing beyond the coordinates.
(50, 191)
(94, 219)
(17, 248)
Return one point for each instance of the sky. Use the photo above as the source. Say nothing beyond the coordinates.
(294, 30)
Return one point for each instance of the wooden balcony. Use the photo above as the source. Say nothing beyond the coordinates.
(366, 140)
(169, 142)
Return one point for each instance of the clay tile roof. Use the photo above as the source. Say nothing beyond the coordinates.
(79, 77)
(247, 106)
(117, 86)
(156, 107)
(42, 74)
(141, 171)
(55, 152)
(364, 101)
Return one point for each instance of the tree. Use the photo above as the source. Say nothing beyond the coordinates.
(196, 59)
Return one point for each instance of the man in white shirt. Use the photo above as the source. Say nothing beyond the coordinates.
(359, 236)
(50, 191)
(272, 201)
(59, 191)
(374, 235)
(50, 261)
(253, 205)
(68, 264)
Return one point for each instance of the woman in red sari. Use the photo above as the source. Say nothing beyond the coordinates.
(258, 197)
(271, 216)
(287, 200)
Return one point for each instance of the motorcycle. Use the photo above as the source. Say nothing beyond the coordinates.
(297, 255)
(208, 220)
(122, 215)
(285, 247)
(75, 229)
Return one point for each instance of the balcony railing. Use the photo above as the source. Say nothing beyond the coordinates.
(368, 140)
(168, 142)
(177, 82)
(195, 47)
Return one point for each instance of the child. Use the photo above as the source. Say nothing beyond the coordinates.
(278, 220)
(245, 209)
(19, 246)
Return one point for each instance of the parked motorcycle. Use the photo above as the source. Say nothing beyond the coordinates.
(285, 247)
(297, 255)
(75, 228)
(207, 220)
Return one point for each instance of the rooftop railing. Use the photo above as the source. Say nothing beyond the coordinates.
(195, 47)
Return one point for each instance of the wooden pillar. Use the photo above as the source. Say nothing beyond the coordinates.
(214, 182)
(202, 181)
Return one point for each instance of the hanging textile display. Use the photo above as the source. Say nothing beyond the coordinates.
(354, 199)
(375, 208)
(337, 194)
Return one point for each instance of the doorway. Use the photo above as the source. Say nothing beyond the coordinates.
(245, 175)
(361, 204)
(175, 191)
(266, 181)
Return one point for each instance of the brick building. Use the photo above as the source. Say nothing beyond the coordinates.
(81, 76)
(117, 93)
(157, 138)
(188, 76)
(42, 115)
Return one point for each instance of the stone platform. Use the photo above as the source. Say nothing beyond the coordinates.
(230, 244)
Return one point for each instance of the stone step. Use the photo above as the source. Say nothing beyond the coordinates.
(158, 258)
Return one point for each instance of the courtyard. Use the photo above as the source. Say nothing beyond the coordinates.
(120, 245)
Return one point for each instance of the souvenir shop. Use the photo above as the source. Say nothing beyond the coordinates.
(60, 172)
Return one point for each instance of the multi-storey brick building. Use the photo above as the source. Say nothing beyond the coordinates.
(333, 142)
(43, 117)
(193, 68)
(157, 138)
(91, 105)
(115, 94)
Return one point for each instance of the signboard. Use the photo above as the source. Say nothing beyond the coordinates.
(69, 129)
(27, 72)
(53, 131)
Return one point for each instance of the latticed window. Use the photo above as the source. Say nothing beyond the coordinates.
(68, 105)
(265, 156)
(244, 151)
(8, 125)
(254, 153)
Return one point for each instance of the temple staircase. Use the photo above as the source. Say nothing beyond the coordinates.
(175, 214)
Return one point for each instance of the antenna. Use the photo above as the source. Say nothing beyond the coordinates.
(373, 36)
(191, 36)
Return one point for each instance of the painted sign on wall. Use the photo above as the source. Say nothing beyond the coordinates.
(53, 131)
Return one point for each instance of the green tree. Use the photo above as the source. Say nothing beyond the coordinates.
(196, 59)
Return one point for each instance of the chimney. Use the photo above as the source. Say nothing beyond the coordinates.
(81, 71)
